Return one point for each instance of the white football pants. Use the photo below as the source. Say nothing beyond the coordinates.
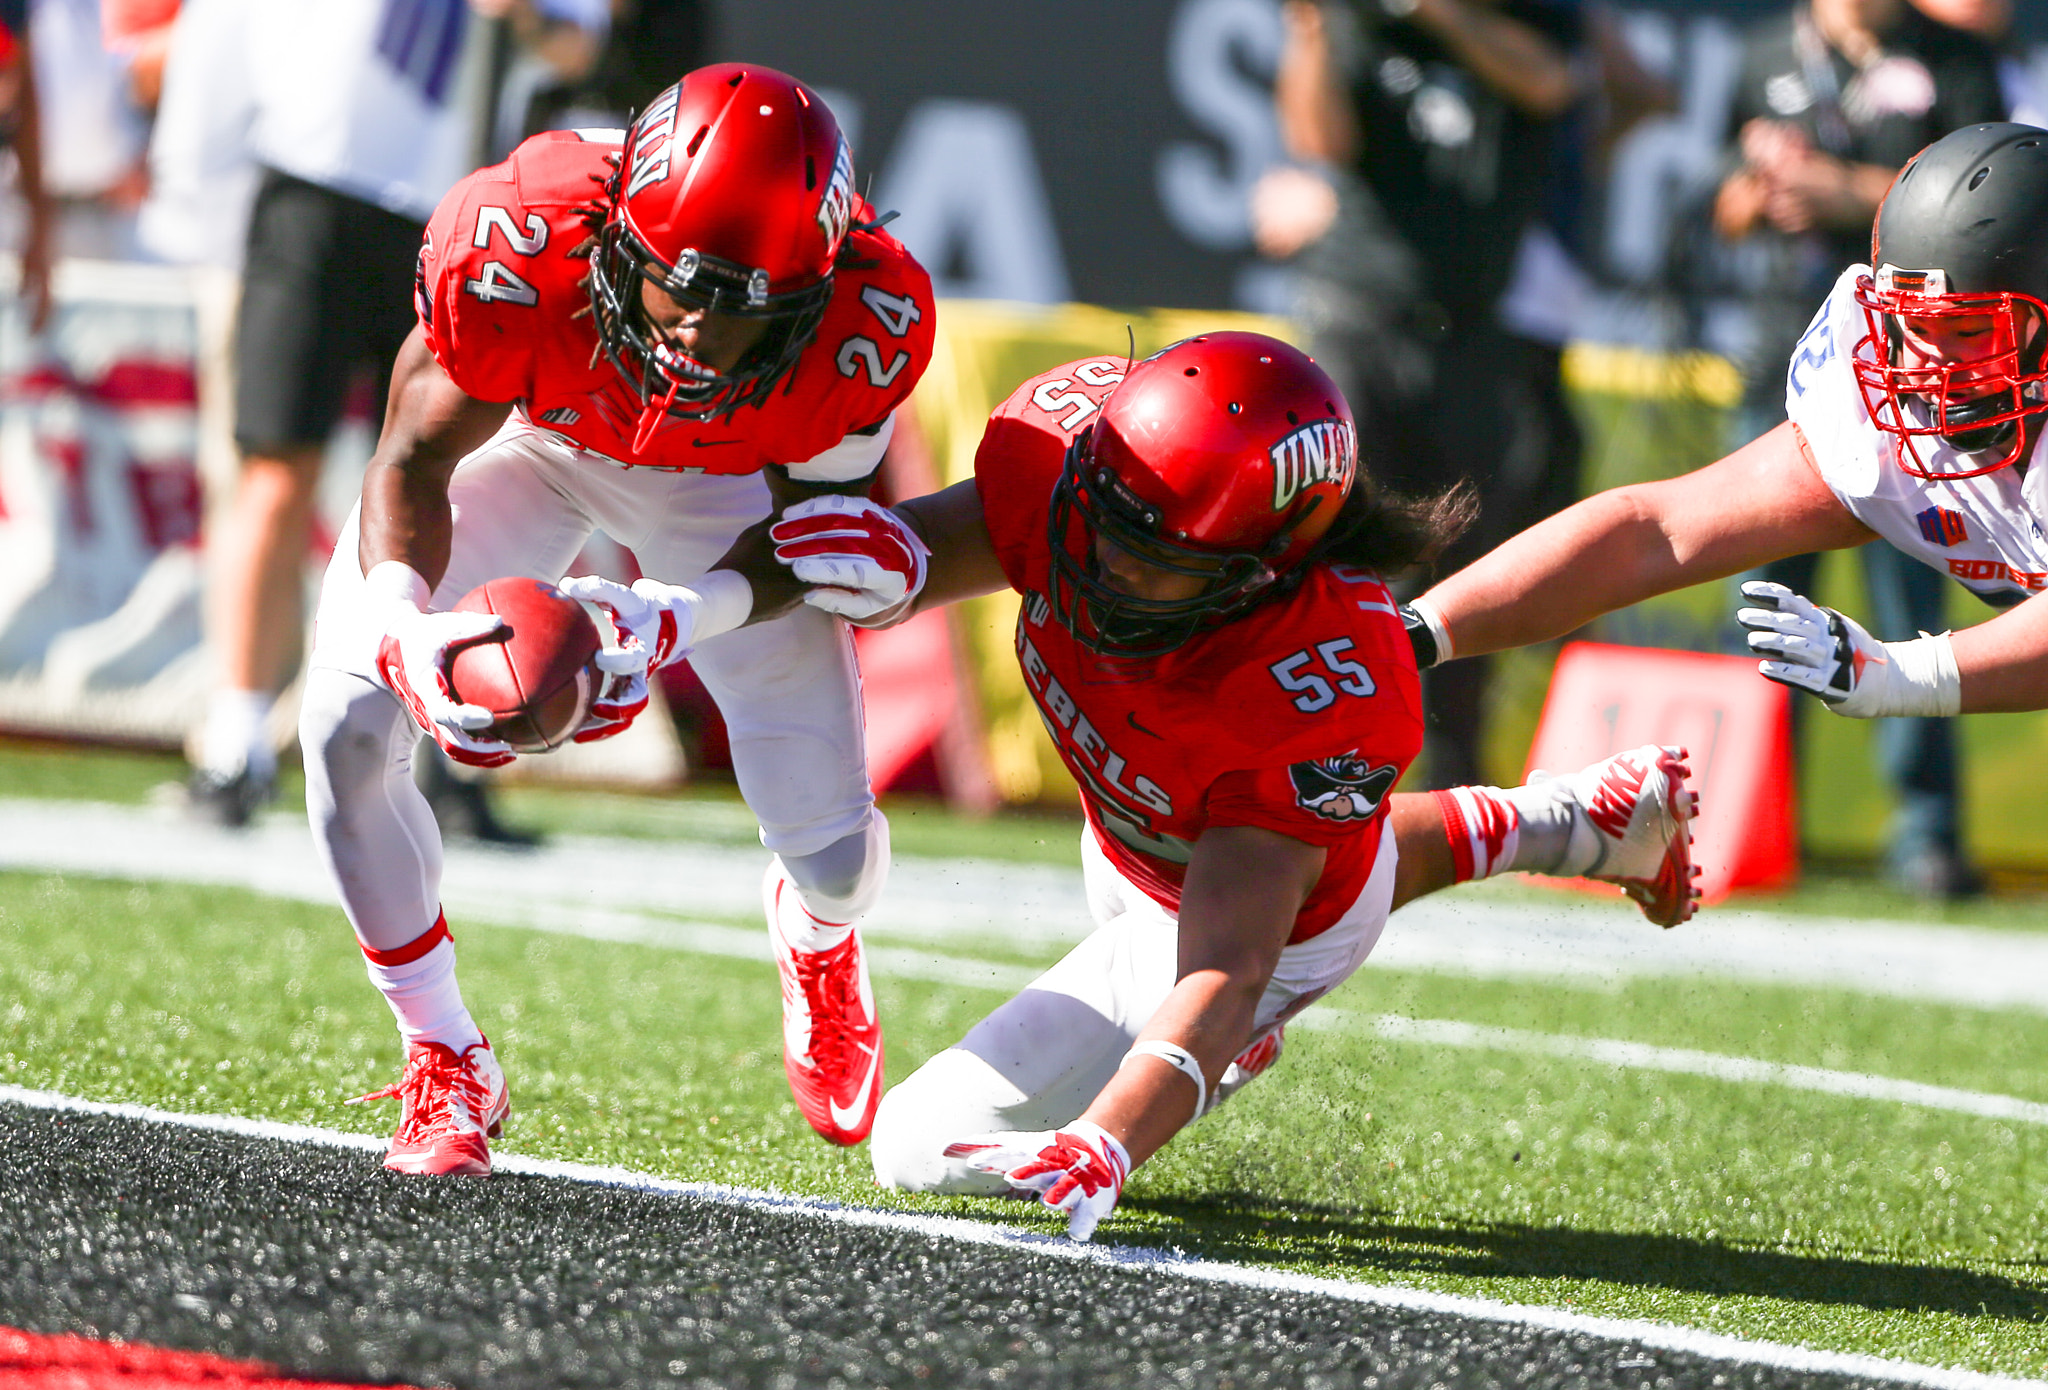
(524, 504)
(1038, 1061)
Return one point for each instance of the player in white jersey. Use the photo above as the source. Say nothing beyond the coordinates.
(1916, 403)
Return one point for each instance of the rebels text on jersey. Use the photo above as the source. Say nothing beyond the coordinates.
(1297, 717)
(1985, 531)
(503, 304)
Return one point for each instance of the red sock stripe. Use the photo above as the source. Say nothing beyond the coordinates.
(1458, 833)
(413, 949)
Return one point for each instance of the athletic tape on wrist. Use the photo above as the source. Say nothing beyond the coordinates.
(394, 581)
(1925, 678)
(1438, 632)
(1180, 1058)
(725, 601)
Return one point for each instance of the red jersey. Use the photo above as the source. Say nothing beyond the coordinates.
(1298, 717)
(504, 308)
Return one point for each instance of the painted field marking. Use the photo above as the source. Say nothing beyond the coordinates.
(1641, 1332)
(1563, 940)
(1440, 1032)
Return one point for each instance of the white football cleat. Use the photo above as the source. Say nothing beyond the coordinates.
(1632, 826)
(451, 1105)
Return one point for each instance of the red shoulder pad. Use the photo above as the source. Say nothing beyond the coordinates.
(496, 274)
(1024, 446)
(871, 348)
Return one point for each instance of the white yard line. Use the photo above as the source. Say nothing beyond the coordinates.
(1613, 1052)
(1658, 1335)
(1575, 940)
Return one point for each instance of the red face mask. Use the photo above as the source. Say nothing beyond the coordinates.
(1951, 377)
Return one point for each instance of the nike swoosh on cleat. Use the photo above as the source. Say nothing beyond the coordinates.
(848, 1118)
(710, 443)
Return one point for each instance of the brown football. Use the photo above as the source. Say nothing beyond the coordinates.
(537, 675)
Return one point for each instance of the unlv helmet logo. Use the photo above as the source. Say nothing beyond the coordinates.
(652, 141)
(835, 212)
(1343, 788)
(1320, 451)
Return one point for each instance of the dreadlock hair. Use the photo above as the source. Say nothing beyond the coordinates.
(1391, 533)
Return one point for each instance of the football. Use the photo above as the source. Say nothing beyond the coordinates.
(538, 673)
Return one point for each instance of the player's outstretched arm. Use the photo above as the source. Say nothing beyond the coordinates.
(1244, 887)
(1761, 503)
(2004, 663)
(430, 425)
(877, 566)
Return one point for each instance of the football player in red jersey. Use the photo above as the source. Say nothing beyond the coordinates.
(670, 333)
(1207, 635)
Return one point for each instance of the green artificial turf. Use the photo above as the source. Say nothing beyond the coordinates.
(1761, 1211)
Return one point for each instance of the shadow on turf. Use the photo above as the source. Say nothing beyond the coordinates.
(1254, 1229)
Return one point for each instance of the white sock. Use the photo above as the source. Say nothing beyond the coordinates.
(426, 1000)
(237, 734)
(1498, 830)
(802, 929)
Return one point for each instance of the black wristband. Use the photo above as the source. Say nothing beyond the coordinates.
(1420, 638)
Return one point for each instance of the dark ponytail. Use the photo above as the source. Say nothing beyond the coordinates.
(1391, 533)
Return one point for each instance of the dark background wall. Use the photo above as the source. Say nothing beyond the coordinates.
(1102, 151)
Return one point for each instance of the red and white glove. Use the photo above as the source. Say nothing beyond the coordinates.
(412, 660)
(657, 625)
(862, 559)
(1079, 1170)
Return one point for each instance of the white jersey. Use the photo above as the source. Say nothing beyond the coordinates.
(361, 96)
(1985, 532)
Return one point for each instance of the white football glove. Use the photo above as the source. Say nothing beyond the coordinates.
(1829, 655)
(1079, 1170)
(412, 658)
(654, 623)
(863, 559)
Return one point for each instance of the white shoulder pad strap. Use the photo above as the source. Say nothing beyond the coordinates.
(853, 457)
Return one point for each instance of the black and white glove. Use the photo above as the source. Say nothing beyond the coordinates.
(1828, 654)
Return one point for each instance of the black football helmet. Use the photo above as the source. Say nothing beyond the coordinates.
(1961, 236)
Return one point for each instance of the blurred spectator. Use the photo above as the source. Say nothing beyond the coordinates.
(1424, 133)
(93, 135)
(357, 115)
(1834, 97)
(2026, 101)
(21, 119)
(649, 43)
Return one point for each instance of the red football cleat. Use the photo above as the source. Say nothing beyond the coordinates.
(451, 1106)
(831, 1039)
(1248, 1065)
(1634, 817)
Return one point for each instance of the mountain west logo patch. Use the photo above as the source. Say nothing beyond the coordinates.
(1941, 526)
(1320, 451)
(1346, 787)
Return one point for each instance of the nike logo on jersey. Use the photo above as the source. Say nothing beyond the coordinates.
(1132, 719)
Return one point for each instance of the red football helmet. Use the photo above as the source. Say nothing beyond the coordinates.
(733, 194)
(1224, 457)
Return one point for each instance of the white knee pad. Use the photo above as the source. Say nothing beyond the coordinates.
(953, 1095)
(845, 879)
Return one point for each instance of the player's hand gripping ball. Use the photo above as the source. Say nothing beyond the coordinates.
(537, 674)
